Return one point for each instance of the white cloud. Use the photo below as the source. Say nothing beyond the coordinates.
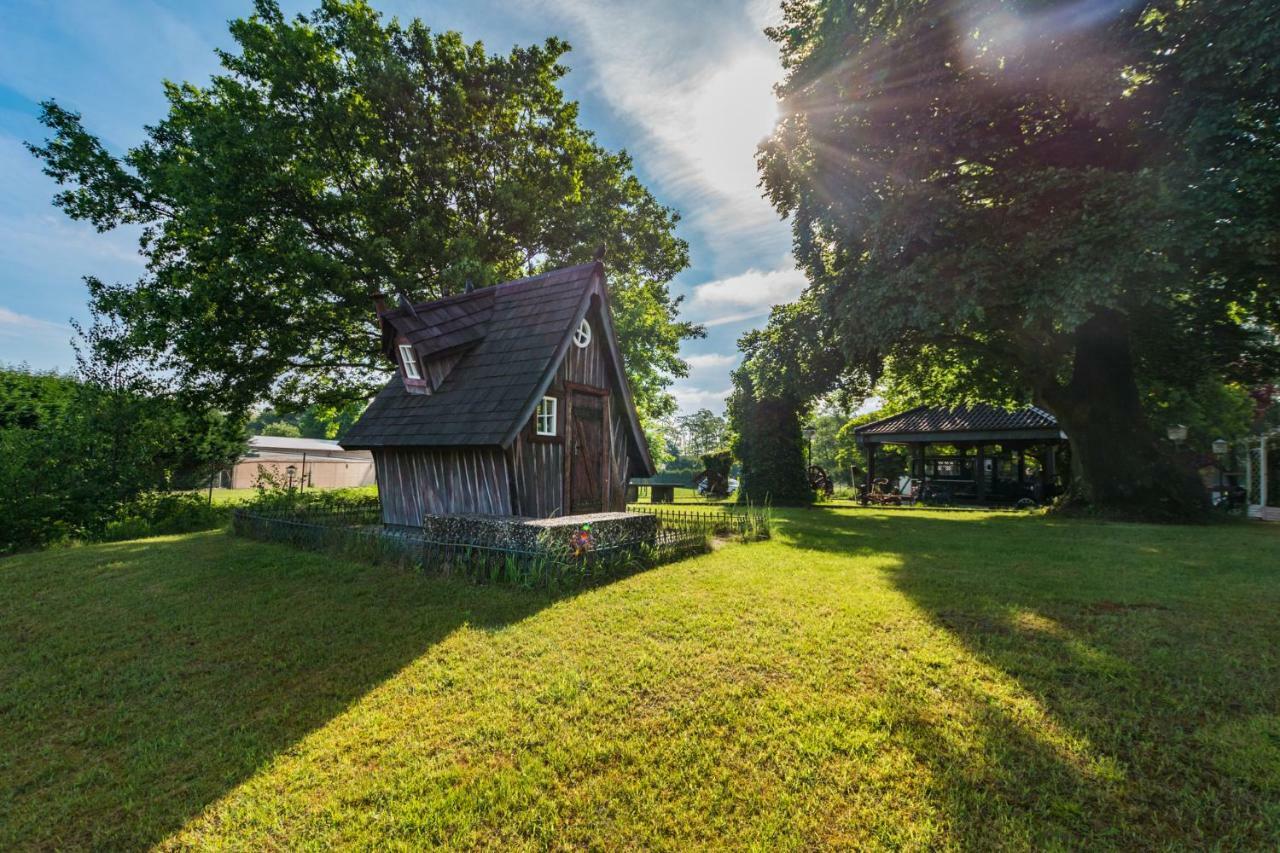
(729, 319)
(752, 289)
(690, 399)
(697, 83)
(706, 360)
(14, 324)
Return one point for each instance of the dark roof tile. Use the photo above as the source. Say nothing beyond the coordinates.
(513, 331)
(978, 418)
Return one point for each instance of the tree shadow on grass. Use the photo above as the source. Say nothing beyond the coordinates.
(140, 681)
(1096, 665)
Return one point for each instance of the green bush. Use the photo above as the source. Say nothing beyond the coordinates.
(333, 500)
(162, 514)
(85, 460)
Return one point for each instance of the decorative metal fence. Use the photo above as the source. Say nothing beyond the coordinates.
(748, 523)
(357, 532)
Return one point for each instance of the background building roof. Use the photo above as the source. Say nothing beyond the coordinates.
(276, 447)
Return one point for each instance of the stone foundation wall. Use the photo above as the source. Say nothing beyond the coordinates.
(530, 534)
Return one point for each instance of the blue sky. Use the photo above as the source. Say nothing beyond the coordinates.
(683, 86)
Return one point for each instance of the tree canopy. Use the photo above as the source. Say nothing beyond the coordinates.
(339, 155)
(1035, 202)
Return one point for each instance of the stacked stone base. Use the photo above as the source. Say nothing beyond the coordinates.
(608, 529)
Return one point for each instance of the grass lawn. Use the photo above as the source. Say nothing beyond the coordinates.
(868, 678)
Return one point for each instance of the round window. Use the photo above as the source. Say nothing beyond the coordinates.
(582, 337)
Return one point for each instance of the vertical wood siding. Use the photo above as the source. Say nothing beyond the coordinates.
(438, 368)
(536, 478)
(590, 367)
(413, 482)
(619, 462)
(527, 479)
(586, 366)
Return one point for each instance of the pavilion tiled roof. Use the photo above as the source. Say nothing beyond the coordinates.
(978, 418)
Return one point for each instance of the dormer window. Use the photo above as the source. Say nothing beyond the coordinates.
(410, 362)
(582, 336)
(544, 420)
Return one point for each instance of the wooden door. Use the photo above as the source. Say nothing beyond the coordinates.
(587, 453)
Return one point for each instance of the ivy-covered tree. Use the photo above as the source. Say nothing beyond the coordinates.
(339, 155)
(784, 367)
(1061, 202)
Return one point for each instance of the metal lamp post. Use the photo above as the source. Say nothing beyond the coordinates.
(292, 471)
(1220, 449)
(809, 432)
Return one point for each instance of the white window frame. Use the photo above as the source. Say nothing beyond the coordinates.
(582, 336)
(544, 417)
(409, 360)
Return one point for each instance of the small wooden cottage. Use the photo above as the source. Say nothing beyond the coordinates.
(508, 400)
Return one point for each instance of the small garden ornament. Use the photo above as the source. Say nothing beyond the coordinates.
(581, 540)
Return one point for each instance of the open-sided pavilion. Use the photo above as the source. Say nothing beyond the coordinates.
(989, 447)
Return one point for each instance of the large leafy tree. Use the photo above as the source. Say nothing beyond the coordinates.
(339, 155)
(1058, 200)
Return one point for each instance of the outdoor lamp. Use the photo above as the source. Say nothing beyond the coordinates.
(1220, 447)
(1177, 432)
(291, 471)
(810, 431)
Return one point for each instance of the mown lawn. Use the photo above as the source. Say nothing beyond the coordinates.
(902, 678)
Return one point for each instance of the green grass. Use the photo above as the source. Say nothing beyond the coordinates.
(905, 678)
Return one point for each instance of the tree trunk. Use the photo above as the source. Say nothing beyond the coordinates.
(1119, 467)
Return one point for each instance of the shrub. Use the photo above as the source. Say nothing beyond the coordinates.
(80, 461)
(331, 500)
(161, 514)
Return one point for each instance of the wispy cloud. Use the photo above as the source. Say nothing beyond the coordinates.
(696, 82)
(751, 289)
(730, 319)
(13, 324)
(705, 360)
(691, 398)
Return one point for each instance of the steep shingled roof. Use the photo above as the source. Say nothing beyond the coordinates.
(443, 326)
(512, 337)
(963, 419)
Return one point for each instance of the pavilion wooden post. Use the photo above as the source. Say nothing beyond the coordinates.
(1049, 472)
(980, 473)
(1022, 468)
(871, 471)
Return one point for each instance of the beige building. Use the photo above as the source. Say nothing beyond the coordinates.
(316, 463)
